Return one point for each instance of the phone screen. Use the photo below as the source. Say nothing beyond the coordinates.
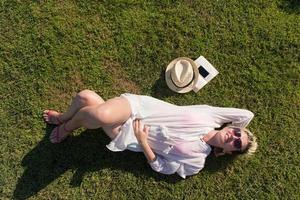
(203, 71)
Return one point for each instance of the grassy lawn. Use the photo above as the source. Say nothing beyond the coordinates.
(49, 50)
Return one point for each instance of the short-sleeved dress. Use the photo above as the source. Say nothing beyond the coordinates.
(175, 132)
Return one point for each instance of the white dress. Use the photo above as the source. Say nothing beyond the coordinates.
(175, 132)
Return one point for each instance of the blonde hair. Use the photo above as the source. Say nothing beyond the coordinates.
(252, 144)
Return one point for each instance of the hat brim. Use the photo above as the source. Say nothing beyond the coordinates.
(169, 81)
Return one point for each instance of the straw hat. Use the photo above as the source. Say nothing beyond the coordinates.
(182, 74)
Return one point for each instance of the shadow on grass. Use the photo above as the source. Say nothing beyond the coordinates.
(290, 6)
(82, 154)
(160, 89)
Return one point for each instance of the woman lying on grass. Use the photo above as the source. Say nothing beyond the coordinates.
(174, 139)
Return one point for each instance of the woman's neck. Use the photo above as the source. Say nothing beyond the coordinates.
(209, 138)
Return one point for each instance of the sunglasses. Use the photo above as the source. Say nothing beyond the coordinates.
(237, 143)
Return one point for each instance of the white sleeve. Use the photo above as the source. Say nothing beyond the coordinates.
(164, 166)
(238, 117)
(187, 170)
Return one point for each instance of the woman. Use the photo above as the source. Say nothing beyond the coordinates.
(174, 139)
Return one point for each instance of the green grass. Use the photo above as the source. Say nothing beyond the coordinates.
(49, 50)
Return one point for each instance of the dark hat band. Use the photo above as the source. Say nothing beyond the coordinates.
(184, 85)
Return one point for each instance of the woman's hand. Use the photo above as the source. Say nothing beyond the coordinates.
(141, 133)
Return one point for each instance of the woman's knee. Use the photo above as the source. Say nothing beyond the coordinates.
(104, 115)
(96, 115)
(89, 97)
(114, 111)
(91, 118)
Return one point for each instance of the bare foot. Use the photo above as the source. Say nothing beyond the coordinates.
(52, 117)
(59, 133)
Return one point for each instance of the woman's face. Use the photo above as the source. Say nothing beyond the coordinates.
(232, 139)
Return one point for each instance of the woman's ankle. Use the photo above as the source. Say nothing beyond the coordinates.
(66, 129)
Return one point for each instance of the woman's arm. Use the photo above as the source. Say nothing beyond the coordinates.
(148, 151)
(157, 163)
(142, 135)
(234, 116)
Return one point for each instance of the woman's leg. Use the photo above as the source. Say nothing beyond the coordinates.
(82, 99)
(109, 115)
